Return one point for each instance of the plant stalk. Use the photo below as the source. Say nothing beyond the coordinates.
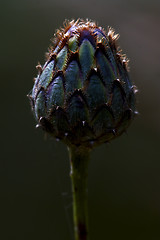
(79, 159)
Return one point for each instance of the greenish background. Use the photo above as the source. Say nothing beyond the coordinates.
(124, 177)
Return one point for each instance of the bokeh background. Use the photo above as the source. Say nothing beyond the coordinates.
(124, 177)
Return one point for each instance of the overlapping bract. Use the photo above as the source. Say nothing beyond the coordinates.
(83, 94)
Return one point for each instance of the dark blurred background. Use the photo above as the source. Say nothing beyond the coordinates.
(124, 177)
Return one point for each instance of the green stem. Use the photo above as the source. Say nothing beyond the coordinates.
(79, 158)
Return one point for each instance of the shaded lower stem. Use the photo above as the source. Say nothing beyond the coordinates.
(79, 158)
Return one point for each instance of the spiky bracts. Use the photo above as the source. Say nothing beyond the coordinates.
(83, 94)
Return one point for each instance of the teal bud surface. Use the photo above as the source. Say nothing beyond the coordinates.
(83, 94)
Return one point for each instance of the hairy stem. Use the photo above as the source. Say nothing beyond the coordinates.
(79, 158)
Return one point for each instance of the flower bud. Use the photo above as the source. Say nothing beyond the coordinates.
(83, 94)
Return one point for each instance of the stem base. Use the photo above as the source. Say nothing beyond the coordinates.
(79, 158)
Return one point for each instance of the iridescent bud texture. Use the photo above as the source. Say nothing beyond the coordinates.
(83, 94)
